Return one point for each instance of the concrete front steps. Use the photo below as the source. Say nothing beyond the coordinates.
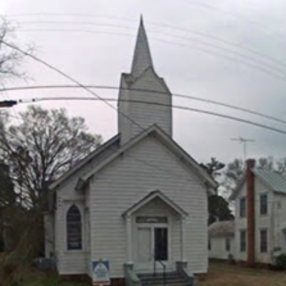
(171, 279)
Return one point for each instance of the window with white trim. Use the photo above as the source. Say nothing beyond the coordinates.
(263, 241)
(243, 240)
(74, 228)
(242, 207)
(263, 204)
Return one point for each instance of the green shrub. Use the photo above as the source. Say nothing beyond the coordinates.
(280, 261)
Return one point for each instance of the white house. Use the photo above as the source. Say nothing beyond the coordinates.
(260, 212)
(221, 239)
(139, 201)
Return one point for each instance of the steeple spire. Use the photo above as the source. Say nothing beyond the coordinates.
(142, 56)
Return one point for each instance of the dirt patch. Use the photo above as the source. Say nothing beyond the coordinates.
(222, 274)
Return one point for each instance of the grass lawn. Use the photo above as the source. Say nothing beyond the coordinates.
(36, 278)
(44, 280)
(222, 274)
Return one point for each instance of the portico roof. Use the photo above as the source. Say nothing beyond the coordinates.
(151, 196)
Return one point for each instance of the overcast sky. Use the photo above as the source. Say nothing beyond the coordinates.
(93, 41)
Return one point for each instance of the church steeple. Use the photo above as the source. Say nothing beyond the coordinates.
(142, 56)
(143, 84)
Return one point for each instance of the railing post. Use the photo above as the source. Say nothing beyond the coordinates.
(164, 275)
(154, 263)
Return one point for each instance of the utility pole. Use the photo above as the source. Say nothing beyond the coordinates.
(244, 142)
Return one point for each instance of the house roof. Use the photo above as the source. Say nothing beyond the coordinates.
(149, 197)
(221, 228)
(95, 155)
(274, 181)
(168, 142)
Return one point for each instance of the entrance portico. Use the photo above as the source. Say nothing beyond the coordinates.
(155, 231)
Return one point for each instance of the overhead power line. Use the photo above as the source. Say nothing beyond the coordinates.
(65, 75)
(263, 59)
(190, 97)
(249, 62)
(85, 88)
(207, 112)
(255, 24)
(155, 24)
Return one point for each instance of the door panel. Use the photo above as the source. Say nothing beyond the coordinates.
(161, 243)
(144, 245)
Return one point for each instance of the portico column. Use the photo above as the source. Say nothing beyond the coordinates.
(129, 239)
(183, 239)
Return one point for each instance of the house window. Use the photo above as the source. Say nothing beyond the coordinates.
(227, 244)
(242, 240)
(242, 207)
(263, 204)
(263, 240)
(209, 244)
(74, 228)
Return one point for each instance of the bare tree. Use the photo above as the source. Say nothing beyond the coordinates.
(42, 147)
(10, 60)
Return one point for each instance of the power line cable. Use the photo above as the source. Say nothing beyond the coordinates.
(71, 79)
(195, 40)
(114, 108)
(79, 84)
(215, 38)
(260, 114)
(198, 48)
(73, 15)
(221, 115)
(255, 24)
(209, 36)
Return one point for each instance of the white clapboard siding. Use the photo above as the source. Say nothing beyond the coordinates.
(279, 221)
(261, 222)
(127, 180)
(218, 247)
(70, 262)
(123, 107)
(145, 115)
(239, 224)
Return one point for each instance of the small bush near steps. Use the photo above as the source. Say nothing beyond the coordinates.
(280, 262)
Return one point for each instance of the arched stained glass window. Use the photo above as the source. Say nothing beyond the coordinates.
(74, 228)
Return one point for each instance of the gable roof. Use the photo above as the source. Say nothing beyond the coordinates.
(168, 142)
(274, 181)
(221, 228)
(113, 142)
(149, 197)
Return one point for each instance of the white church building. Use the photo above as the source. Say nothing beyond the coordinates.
(139, 201)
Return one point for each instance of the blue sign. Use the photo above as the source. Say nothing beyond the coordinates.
(100, 273)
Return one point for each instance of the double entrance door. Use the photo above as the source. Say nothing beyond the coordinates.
(152, 244)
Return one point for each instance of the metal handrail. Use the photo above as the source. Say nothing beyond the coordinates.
(164, 268)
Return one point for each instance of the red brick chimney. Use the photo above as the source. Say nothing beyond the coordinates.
(250, 195)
